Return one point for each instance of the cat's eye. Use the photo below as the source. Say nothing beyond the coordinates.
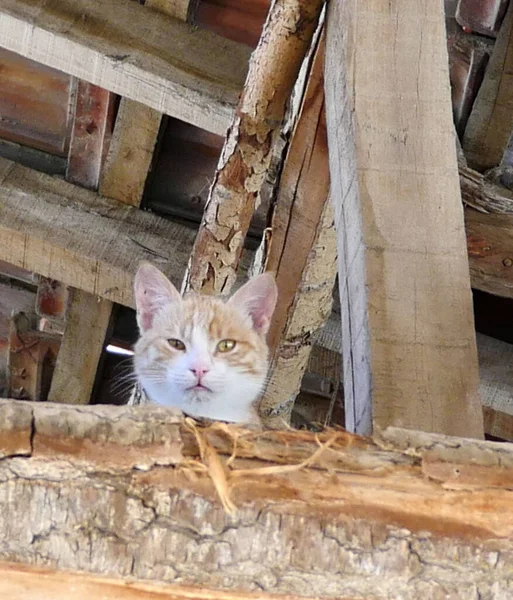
(176, 344)
(226, 345)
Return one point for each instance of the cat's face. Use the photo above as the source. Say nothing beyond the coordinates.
(201, 354)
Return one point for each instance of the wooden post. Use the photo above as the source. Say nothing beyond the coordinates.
(302, 251)
(491, 119)
(126, 492)
(407, 325)
(247, 152)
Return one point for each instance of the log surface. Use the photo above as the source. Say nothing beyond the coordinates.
(122, 492)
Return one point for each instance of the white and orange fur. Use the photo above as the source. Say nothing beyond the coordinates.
(198, 378)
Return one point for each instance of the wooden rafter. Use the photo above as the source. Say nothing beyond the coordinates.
(408, 334)
(71, 234)
(140, 54)
(126, 490)
(248, 148)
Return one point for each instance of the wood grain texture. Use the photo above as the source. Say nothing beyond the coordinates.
(130, 153)
(302, 250)
(34, 104)
(87, 321)
(19, 582)
(491, 119)
(89, 242)
(248, 148)
(90, 135)
(115, 494)
(408, 334)
(138, 53)
(490, 250)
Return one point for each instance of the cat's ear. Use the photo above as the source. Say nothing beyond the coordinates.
(153, 291)
(257, 298)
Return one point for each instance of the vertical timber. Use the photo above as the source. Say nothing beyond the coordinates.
(408, 336)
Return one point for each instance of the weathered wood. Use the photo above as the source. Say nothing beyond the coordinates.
(116, 493)
(179, 9)
(239, 21)
(248, 148)
(92, 124)
(490, 250)
(491, 119)
(482, 194)
(19, 582)
(32, 158)
(73, 235)
(35, 103)
(138, 53)
(82, 344)
(302, 251)
(408, 334)
(31, 359)
(130, 152)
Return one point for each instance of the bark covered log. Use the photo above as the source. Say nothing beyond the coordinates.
(123, 492)
(248, 149)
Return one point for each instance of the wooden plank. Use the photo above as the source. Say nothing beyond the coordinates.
(18, 582)
(34, 102)
(135, 136)
(130, 152)
(248, 148)
(116, 485)
(491, 119)
(88, 316)
(490, 250)
(86, 241)
(302, 251)
(81, 348)
(239, 21)
(141, 54)
(92, 125)
(31, 359)
(407, 324)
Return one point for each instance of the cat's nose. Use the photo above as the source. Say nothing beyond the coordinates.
(199, 371)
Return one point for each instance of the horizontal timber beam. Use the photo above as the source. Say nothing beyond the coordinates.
(188, 73)
(128, 491)
(73, 235)
(19, 582)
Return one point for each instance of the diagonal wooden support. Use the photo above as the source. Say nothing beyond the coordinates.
(247, 152)
(302, 251)
(407, 324)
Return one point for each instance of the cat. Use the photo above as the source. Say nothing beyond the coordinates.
(202, 354)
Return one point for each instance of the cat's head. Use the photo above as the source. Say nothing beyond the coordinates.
(202, 354)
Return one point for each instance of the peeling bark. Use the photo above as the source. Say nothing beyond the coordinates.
(248, 148)
(122, 492)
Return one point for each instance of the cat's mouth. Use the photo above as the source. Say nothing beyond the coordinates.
(199, 387)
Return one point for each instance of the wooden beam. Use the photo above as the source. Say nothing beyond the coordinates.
(88, 316)
(407, 324)
(141, 54)
(302, 251)
(248, 148)
(137, 129)
(87, 323)
(490, 250)
(491, 119)
(71, 234)
(19, 582)
(92, 124)
(127, 490)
